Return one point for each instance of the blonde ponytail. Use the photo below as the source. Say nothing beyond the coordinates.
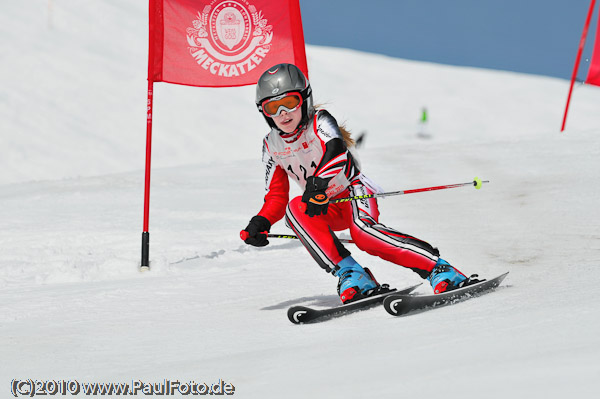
(346, 135)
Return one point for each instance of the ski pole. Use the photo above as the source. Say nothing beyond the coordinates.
(293, 237)
(244, 235)
(477, 182)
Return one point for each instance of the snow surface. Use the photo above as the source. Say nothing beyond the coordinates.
(73, 304)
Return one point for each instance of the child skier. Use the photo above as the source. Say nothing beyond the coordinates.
(306, 145)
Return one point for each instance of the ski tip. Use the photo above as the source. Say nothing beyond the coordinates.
(502, 277)
(299, 314)
(407, 290)
(395, 304)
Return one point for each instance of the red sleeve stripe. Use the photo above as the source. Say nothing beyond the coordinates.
(337, 162)
(331, 173)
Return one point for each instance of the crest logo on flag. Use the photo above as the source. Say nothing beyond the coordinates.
(230, 26)
(229, 38)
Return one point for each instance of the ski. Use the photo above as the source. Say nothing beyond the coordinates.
(398, 304)
(303, 314)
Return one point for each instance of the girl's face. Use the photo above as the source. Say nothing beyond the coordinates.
(287, 122)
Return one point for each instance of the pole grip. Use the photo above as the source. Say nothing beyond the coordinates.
(244, 234)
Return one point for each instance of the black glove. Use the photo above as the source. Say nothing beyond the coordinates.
(255, 233)
(315, 197)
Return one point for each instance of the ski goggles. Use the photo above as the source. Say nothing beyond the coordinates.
(288, 102)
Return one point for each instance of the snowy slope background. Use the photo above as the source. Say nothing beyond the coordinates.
(73, 304)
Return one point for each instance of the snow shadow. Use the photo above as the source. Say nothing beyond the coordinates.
(317, 301)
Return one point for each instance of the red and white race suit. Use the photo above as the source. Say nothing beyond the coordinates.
(319, 150)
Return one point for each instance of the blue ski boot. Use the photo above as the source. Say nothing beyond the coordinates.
(355, 282)
(445, 277)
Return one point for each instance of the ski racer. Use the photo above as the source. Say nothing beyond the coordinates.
(306, 145)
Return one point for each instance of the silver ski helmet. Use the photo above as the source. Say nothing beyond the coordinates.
(281, 79)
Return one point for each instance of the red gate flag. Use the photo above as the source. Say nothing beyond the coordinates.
(577, 59)
(593, 77)
(217, 43)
